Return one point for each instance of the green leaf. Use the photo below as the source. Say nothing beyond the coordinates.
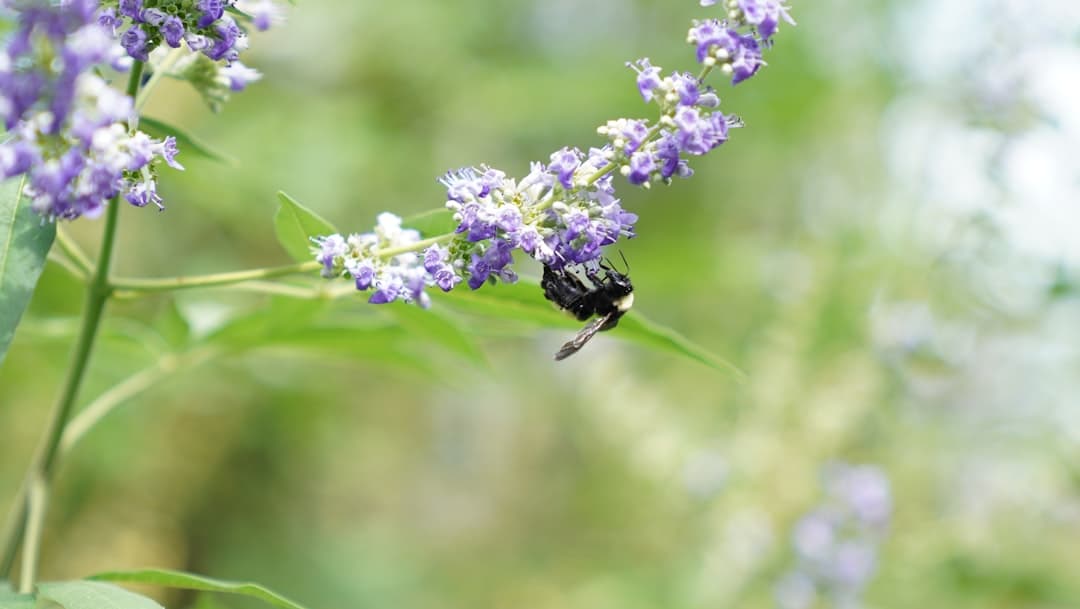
(185, 141)
(432, 222)
(438, 328)
(642, 330)
(10, 600)
(92, 595)
(524, 302)
(282, 317)
(17, 601)
(303, 326)
(172, 326)
(295, 225)
(25, 240)
(187, 581)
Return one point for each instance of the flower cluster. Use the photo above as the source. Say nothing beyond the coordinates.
(836, 543)
(561, 214)
(381, 260)
(70, 135)
(564, 212)
(203, 25)
(690, 124)
(555, 215)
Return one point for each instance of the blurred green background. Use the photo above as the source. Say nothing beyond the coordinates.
(887, 249)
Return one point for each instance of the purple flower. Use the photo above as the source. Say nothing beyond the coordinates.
(436, 263)
(642, 165)
(626, 135)
(386, 290)
(737, 54)
(107, 19)
(238, 75)
(563, 164)
(836, 551)
(746, 59)
(686, 86)
(765, 14)
(698, 135)
(331, 249)
(141, 193)
(648, 78)
(131, 9)
(228, 43)
(479, 270)
(17, 158)
(212, 10)
(172, 29)
(134, 42)
(264, 13)
(364, 274)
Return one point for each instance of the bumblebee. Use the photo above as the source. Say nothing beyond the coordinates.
(608, 295)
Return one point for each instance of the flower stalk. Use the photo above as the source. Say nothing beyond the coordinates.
(44, 463)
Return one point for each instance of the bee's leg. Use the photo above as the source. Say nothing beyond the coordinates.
(611, 322)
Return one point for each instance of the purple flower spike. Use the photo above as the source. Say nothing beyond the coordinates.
(68, 127)
(565, 212)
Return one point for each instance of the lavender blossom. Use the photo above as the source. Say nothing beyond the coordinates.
(690, 124)
(70, 138)
(718, 45)
(765, 14)
(376, 261)
(836, 543)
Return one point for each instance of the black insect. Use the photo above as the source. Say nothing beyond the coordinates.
(609, 297)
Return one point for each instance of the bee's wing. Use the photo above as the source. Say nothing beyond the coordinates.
(586, 333)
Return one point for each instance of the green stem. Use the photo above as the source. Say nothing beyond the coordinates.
(68, 265)
(160, 70)
(37, 501)
(132, 284)
(414, 247)
(72, 250)
(44, 463)
(97, 410)
(208, 281)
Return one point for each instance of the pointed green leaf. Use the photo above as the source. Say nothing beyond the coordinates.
(524, 301)
(282, 317)
(172, 326)
(295, 225)
(438, 328)
(640, 329)
(187, 581)
(432, 222)
(25, 240)
(92, 595)
(185, 141)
